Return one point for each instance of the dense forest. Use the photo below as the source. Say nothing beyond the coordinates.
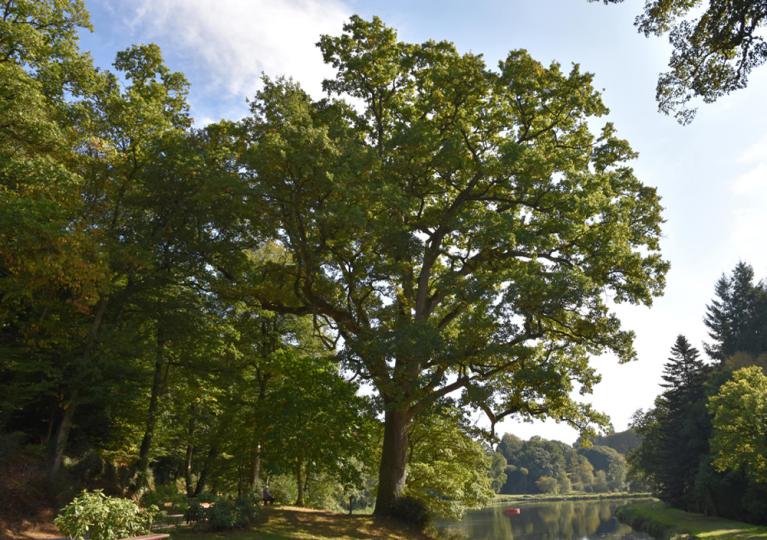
(704, 444)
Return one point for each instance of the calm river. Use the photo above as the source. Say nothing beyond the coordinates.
(560, 520)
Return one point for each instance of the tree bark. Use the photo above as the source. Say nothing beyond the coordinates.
(189, 457)
(255, 468)
(142, 467)
(62, 435)
(255, 464)
(209, 459)
(392, 473)
(299, 483)
(188, 470)
(67, 420)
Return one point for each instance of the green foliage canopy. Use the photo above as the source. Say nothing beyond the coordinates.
(448, 467)
(713, 53)
(739, 419)
(457, 227)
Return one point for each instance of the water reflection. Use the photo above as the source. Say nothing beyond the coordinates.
(566, 520)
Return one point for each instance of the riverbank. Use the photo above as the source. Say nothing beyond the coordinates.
(662, 521)
(542, 497)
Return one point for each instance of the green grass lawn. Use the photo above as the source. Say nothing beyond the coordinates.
(661, 520)
(305, 524)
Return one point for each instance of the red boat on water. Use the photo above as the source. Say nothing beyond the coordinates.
(512, 511)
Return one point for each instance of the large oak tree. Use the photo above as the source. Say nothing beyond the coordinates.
(461, 229)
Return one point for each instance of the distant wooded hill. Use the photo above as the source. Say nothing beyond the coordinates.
(543, 466)
(623, 441)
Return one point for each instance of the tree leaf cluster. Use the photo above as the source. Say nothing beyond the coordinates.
(715, 47)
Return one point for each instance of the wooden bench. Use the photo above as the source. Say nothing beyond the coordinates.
(159, 536)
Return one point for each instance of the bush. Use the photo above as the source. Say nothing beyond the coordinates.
(283, 488)
(411, 511)
(247, 508)
(162, 495)
(225, 514)
(205, 497)
(103, 518)
(195, 512)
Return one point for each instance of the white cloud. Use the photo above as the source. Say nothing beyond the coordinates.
(234, 41)
(749, 220)
(755, 153)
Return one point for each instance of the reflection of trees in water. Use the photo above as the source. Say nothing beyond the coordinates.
(548, 521)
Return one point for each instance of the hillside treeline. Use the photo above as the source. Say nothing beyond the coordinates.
(553, 467)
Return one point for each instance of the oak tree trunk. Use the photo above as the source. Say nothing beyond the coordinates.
(392, 474)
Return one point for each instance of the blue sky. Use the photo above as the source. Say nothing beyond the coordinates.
(712, 174)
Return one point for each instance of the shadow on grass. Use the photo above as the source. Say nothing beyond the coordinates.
(304, 524)
(321, 524)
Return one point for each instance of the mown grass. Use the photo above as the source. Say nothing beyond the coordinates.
(304, 524)
(663, 521)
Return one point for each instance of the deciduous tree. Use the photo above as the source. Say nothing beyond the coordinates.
(739, 420)
(458, 227)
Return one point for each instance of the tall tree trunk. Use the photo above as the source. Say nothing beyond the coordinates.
(67, 419)
(255, 467)
(142, 467)
(62, 435)
(299, 483)
(255, 464)
(240, 479)
(206, 467)
(189, 484)
(208, 464)
(51, 423)
(188, 470)
(391, 474)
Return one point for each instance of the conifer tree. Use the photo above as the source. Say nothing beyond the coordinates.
(736, 317)
(676, 431)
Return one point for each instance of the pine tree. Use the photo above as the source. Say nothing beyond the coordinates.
(737, 316)
(684, 371)
(677, 437)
